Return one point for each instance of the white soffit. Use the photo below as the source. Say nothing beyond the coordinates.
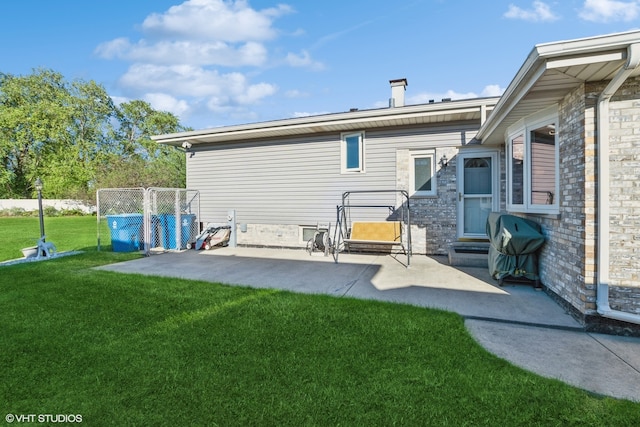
(585, 60)
(550, 72)
(441, 112)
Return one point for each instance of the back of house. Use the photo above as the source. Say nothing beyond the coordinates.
(560, 147)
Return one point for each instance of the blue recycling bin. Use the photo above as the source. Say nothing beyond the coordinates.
(157, 230)
(169, 231)
(126, 232)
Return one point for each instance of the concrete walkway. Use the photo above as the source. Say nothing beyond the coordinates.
(515, 322)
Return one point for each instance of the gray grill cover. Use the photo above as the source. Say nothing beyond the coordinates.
(512, 235)
(514, 242)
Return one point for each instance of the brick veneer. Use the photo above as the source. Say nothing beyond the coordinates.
(568, 260)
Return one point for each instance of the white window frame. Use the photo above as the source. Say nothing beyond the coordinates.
(524, 127)
(343, 153)
(301, 231)
(422, 154)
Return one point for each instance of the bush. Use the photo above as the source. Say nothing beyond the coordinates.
(50, 211)
(15, 212)
(47, 211)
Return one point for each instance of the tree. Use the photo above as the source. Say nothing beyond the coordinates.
(75, 138)
(73, 163)
(32, 122)
(142, 161)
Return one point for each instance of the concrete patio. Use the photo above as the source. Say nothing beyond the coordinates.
(514, 322)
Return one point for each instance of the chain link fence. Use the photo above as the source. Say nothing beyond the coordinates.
(152, 220)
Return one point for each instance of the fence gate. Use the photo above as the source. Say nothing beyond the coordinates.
(172, 218)
(152, 220)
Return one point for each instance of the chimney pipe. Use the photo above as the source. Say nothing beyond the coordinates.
(398, 88)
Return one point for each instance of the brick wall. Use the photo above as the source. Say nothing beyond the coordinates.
(566, 259)
(624, 222)
(271, 235)
(433, 218)
(568, 264)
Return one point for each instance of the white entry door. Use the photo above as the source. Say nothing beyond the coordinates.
(478, 181)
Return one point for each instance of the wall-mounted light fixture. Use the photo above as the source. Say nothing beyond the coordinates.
(444, 162)
(186, 145)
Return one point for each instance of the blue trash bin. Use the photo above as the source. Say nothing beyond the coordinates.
(126, 232)
(169, 231)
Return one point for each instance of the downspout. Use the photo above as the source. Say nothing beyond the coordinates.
(602, 301)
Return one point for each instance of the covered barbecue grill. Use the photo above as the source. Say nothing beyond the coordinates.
(513, 249)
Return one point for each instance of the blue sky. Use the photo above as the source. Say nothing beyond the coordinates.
(223, 62)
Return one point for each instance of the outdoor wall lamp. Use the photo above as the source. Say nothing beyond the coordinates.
(39, 187)
(186, 145)
(444, 162)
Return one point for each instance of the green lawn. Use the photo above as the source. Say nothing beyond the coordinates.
(134, 350)
(67, 233)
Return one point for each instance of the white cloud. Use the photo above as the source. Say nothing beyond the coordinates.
(610, 10)
(492, 90)
(254, 93)
(113, 49)
(197, 54)
(232, 21)
(295, 93)
(189, 81)
(119, 99)
(185, 52)
(423, 98)
(303, 60)
(164, 102)
(541, 12)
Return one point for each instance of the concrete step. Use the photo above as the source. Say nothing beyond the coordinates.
(469, 254)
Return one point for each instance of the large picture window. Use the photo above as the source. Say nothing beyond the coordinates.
(352, 152)
(423, 178)
(533, 166)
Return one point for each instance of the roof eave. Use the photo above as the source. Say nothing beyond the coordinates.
(552, 56)
(326, 122)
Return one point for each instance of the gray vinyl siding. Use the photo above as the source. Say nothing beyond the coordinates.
(299, 181)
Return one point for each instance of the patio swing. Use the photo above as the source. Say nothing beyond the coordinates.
(372, 236)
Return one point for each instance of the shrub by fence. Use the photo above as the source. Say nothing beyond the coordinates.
(51, 207)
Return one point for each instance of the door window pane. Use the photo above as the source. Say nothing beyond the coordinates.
(476, 212)
(477, 175)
